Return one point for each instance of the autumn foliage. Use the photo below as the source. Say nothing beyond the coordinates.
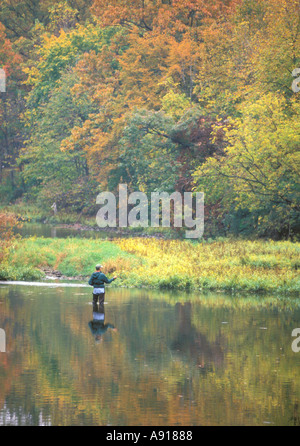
(161, 95)
(7, 235)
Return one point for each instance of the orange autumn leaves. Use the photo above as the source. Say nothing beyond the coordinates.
(9, 59)
(173, 15)
(133, 94)
(131, 73)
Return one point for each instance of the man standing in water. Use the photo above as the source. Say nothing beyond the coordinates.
(97, 280)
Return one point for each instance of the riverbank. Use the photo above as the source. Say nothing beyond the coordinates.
(225, 265)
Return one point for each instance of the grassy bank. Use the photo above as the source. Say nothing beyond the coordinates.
(260, 266)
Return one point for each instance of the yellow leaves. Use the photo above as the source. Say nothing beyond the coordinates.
(175, 104)
(245, 264)
(256, 162)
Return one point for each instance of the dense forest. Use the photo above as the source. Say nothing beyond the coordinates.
(163, 95)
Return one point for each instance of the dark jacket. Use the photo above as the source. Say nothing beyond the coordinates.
(99, 328)
(98, 280)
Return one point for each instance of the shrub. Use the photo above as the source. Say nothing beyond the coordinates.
(8, 222)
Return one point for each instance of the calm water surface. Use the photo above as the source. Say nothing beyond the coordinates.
(59, 231)
(146, 358)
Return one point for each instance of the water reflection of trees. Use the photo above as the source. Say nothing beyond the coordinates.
(148, 371)
(192, 345)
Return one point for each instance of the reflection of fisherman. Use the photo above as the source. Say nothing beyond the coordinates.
(97, 325)
(97, 280)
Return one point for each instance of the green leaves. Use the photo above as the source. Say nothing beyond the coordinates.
(147, 93)
(261, 165)
(147, 152)
(59, 53)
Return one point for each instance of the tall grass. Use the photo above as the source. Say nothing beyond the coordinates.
(72, 256)
(229, 265)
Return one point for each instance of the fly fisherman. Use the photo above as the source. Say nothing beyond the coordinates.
(97, 280)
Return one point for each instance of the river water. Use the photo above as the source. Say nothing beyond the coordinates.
(62, 231)
(146, 358)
